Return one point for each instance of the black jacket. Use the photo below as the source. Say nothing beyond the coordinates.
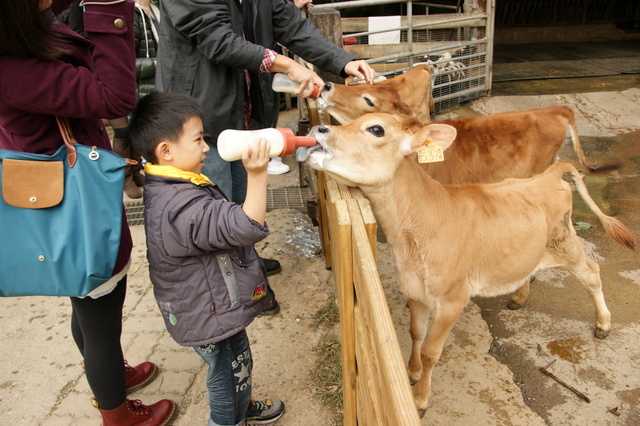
(146, 51)
(202, 53)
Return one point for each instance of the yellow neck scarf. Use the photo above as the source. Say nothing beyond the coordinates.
(174, 172)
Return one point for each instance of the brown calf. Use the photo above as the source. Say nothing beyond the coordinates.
(487, 149)
(453, 242)
(408, 94)
(514, 144)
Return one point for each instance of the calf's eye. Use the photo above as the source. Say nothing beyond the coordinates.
(369, 102)
(377, 131)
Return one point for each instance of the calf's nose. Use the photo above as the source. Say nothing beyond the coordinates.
(323, 129)
(327, 86)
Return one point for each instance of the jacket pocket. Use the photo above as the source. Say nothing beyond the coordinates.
(229, 277)
(244, 277)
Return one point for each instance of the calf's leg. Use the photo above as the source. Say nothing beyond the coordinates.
(418, 327)
(520, 295)
(588, 273)
(569, 253)
(446, 312)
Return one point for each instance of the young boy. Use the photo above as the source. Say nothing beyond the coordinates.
(207, 279)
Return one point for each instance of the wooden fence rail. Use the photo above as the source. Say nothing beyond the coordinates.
(375, 383)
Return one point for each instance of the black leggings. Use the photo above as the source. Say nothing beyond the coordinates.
(96, 325)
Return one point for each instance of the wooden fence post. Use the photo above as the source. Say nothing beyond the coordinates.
(343, 274)
(327, 20)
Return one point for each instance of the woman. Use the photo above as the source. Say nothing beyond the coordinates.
(49, 70)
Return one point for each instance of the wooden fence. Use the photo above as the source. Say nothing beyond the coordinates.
(376, 387)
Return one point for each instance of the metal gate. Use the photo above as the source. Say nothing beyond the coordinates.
(456, 41)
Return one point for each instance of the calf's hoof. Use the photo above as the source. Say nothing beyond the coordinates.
(421, 412)
(514, 306)
(600, 333)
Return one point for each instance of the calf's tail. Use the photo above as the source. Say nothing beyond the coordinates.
(612, 226)
(577, 147)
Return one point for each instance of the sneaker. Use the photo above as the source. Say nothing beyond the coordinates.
(264, 412)
(277, 167)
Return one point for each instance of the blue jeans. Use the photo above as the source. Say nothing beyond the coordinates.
(229, 379)
(231, 177)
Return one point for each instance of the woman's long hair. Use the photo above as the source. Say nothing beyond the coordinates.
(26, 32)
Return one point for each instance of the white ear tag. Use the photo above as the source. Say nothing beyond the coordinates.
(430, 153)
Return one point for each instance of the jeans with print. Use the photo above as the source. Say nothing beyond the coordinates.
(228, 379)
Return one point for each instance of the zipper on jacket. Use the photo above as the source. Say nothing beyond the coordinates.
(229, 277)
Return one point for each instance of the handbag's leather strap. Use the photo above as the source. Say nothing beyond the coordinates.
(69, 140)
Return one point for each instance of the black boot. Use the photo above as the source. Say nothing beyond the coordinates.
(272, 266)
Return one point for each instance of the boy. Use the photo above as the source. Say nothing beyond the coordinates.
(207, 279)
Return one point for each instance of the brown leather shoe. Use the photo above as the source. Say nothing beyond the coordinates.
(139, 376)
(138, 177)
(134, 412)
(130, 187)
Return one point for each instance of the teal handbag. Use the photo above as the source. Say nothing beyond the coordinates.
(60, 219)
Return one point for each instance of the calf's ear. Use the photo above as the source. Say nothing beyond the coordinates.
(402, 108)
(441, 134)
(409, 123)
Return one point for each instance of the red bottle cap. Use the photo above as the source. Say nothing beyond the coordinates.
(291, 141)
(316, 92)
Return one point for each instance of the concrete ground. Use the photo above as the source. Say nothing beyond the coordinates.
(556, 324)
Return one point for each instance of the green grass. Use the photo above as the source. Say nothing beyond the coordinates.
(326, 375)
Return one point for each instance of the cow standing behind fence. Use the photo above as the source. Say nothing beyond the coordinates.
(453, 242)
(487, 148)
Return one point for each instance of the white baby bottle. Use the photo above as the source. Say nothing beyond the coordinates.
(282, 83)
(231, 142)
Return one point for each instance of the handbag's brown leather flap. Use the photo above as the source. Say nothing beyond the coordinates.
(32, 184)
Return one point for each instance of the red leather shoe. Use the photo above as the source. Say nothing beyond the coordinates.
(134, 412)
(139, 376)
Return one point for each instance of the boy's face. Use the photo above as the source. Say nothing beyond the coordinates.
(189, 152)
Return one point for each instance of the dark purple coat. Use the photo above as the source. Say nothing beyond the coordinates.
(85, 86)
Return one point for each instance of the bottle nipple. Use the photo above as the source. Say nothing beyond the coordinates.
(291, 141)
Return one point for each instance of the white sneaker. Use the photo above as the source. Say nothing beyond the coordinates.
(277, 167)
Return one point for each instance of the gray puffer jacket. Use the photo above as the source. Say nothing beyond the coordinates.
(207, 279)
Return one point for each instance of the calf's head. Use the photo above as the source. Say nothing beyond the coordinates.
(369, 150)
(408, 94)
(346, 103)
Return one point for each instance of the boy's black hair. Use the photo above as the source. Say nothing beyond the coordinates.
(160, 116)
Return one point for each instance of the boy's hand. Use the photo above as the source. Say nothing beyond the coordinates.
(255, 156)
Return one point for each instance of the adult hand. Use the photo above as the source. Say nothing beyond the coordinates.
(307, 79)
(302, 3)
(360, 69)
(302, 75)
